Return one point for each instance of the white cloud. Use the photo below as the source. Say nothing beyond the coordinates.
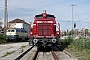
(26, 9)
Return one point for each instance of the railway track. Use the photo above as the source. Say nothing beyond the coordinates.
(64, 55)
(58, 54)
(9, 43)
(65, 52)
(54, 55)
(23, 54)
(34, 54)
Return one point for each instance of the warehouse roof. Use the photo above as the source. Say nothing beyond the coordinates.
(18, 21)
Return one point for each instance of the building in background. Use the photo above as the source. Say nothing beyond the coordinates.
(18, 23)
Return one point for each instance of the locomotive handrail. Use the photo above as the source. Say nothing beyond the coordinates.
(59, 27)
(30, 28)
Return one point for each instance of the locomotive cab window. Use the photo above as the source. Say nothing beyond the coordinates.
(50, 16)
(8, 31)
(12, 30)
(39, 16)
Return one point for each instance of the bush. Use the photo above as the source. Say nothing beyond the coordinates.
(67, 41)
(2, 38)
(80, 48)
(82, 43)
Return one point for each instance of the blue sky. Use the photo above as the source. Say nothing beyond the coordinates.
(27, 9)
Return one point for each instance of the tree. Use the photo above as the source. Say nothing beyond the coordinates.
(86, 32)
(0, 24)
(0, 28)
(71, 32)
(65, 33)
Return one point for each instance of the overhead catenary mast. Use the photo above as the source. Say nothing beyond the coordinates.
(5, 17)
(0, 23)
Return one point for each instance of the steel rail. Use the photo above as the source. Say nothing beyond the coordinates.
(35, 55)
(18, 58)
(65, 52)
(54, 55)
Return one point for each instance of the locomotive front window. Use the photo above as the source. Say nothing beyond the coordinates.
(50, 16)
(8, 31)
(39, 16)
(12, 30)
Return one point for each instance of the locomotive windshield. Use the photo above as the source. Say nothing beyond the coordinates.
(39, 16)
(10, 31)
(48, 16)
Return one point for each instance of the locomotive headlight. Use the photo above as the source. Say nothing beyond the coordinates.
(57, 32)
(54, 40)
(31, 33)
(35, 40)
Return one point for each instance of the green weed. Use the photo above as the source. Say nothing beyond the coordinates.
(8, 53)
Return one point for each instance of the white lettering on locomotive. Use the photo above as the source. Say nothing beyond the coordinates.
(44, 21)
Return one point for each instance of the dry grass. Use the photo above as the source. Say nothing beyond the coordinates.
(79, 48)
(79, 54)
(8, 53)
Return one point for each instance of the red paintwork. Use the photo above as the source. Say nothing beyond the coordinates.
(44, 26)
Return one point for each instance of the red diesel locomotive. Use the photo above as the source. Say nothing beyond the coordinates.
(44, 32)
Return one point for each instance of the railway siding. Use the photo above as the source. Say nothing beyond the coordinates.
(62, 55)
(16, 47)
(29, 55)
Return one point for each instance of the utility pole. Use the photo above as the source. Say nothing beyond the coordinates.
(5, 17)
(72, 17)
(0, 21)
(0, 24)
